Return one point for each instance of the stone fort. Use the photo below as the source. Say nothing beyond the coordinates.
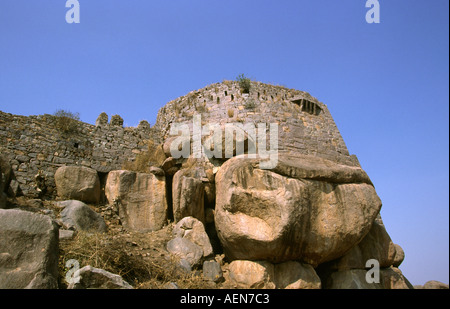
(33, 143)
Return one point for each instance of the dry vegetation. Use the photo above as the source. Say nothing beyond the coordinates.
(140, 258)
(154, 156)
(66, 121)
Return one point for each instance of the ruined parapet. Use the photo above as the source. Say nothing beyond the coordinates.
(102, 120)
(116, 121)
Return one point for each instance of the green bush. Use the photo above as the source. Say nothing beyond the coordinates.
(66, 121)
(244, 83)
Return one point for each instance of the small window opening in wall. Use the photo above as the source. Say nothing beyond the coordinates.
(226, 93)
(232, 97)
(308, 106)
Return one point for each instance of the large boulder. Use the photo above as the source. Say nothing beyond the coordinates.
(28, 250)
(388, 278)
(140, 198)
(433, 285)
(251, 274)
(295, 275)
(263, 274)
(188, 195)
(376, 245)
(184, 249)
(194, 230)
(78, 183)
(307, 209)
(79, 216)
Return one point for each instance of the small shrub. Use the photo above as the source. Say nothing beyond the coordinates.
(244, 83)
(230, 113)
(66, 121)
(250, 104)
(154, 156)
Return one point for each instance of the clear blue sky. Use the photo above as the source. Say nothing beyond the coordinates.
(385, 84)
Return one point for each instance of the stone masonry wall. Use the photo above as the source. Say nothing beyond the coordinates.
(34, 143)
(305, 125)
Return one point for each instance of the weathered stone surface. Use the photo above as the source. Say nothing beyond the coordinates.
(392, 278)
(212, 271)
(102, 120)
(185, 249)
(140, 198)
(251, 274)
(376, 245)
(350, 279)
(434, 285)
(389, 278)
(295, 275)
(6, 178)
(194, 230)
(156, 171)
(187, 196)
(78, 183)
(144, 125)
(103, 148)
(399, 256)
(66, 234)
(116, 121)
(6, 174)
(262, 215)
(263, 274)
(28, 251)
(90, 277)
(79, 216)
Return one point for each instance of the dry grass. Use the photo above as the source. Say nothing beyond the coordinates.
(66, 121)
(154, 156)
(140, 258)
(105, 252)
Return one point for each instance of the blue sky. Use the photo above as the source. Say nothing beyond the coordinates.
(385, 84)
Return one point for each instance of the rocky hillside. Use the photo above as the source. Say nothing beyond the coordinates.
(143, 218)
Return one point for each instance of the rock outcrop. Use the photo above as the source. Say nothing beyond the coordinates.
(433, 285)
(194, 230)
(187, 196)
(79, 216)
(140, 199)
(263, 274)
(311, 221)
(28, 251)
(306, 209)
(78, 183)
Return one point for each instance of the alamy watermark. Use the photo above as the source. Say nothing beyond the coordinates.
(73, 266)
(373, 274)
(73, 14)
(373, 15)
(213, 140)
